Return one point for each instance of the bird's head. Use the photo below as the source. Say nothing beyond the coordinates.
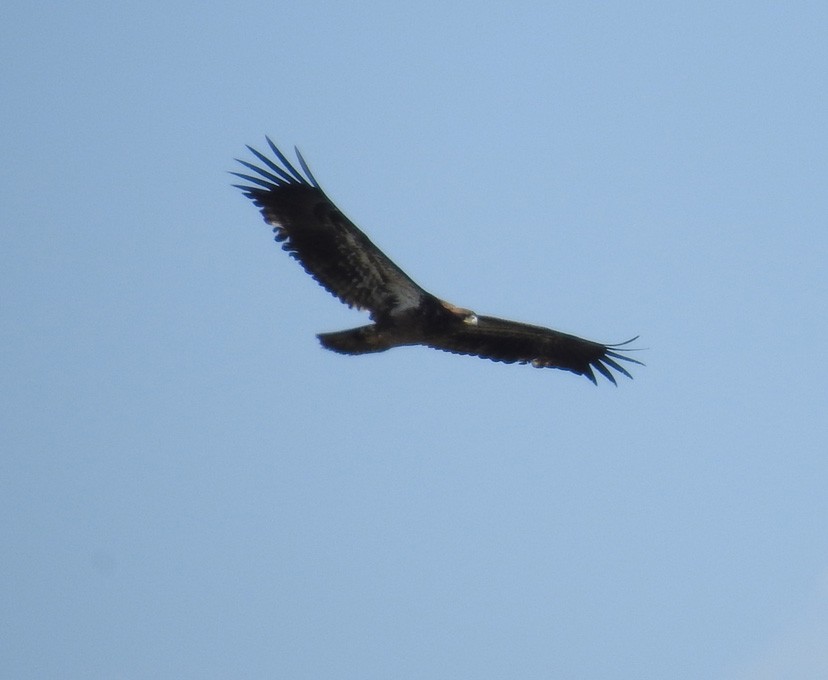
(467, 316)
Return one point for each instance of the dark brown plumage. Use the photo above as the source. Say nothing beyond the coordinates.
(343, 260)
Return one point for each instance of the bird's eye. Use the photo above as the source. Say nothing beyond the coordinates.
(471, 319)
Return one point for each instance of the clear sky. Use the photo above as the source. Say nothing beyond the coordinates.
(190, 487)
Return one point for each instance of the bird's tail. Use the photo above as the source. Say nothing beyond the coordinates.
(362, 340)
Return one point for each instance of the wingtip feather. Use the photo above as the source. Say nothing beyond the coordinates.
(296, 174)
(305, 167)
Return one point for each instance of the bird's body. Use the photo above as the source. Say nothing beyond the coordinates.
(343, 260)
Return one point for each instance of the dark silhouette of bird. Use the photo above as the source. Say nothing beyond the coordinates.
(344, 261)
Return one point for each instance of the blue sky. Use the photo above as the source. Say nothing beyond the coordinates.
(192, 488)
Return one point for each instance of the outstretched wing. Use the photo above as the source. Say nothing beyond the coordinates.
(326, 243)
(512, 342)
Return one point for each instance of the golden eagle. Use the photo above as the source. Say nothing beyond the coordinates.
(343, 260)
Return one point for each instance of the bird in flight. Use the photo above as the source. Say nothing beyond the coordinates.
(344, 261)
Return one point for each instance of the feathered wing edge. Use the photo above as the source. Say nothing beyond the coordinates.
(287, 175)
(513, 342)
(611, 353)
(331, 248)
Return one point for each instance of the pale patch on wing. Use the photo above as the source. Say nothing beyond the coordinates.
(405, 299)
(280, 231)
(381, 278)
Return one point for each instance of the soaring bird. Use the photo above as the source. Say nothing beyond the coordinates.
(344, 261)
